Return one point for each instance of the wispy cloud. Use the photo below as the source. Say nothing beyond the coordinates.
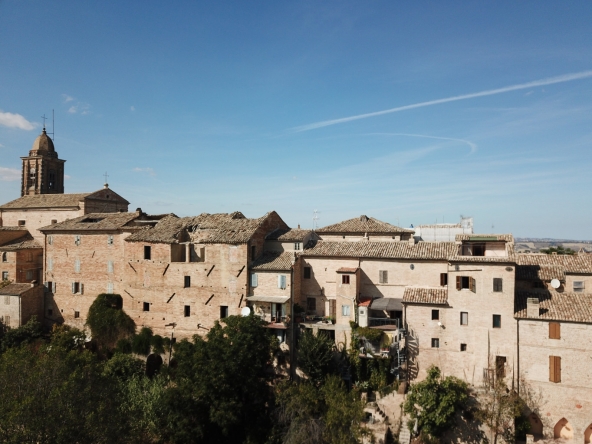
(77, 107)
(148, 170)
(9, 174)
(132, 108)
(490, 92)
(67, 98)
(472, 145)
(15, 121)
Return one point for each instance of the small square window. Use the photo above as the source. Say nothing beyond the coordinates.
(435, 343)
(345, 278)
(146, 306)
(497, 321)
(435, 315)
(443, 279)
(464, 318)
(578, 286)
(147, 252)
(187, 311)
(76, 314)
(21, 223)
(223, 311)
(110, 240)
(497, 285)
(463, 347)
(49, 312)
(186, 281)
(307, 272)
(5, 275)
(296, 246)
(383, 276)
(54, 221)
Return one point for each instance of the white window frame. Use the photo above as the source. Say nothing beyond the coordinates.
(282, 281)
(579, 286)
(383, 276)
(345, 310)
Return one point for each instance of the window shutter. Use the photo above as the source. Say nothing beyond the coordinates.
(49, 264)
(254, 280)
(554, 330)
(53, 287)
(110, 266)
(555, 368)
(46, 285)
(283, 281)
(385, 276)
(473, 285)
(442, 279)
(109, 287)
(458, 283)
(81, 288)
(73, 287)
(558, 368)
(77, 266)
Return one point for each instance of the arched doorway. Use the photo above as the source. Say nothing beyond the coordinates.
(536, 426)
(588, 434)
(153, 364)
(563, 429)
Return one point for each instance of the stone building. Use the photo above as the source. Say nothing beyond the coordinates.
(20, 302)
(21, 256)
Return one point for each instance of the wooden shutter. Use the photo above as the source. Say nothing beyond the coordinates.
(73, 287)
(53, 287)
(81, 288)
(443, 279)
(555, 368)
(458, 282)
(473, 285)
(254, 280)
(554, 330)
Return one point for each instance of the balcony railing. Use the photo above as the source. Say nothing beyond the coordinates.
(374, 322)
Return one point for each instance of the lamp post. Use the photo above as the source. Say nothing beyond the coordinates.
(172, 324)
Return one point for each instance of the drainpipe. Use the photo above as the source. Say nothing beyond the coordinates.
(518, 353)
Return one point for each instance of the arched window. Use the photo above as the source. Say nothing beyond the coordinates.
(4, 256)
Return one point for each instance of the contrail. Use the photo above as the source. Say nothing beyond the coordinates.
(490, 92)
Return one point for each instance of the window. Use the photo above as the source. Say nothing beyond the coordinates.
(311, 304)
(76, 287)
(578, 286)
(554, 330)
(76, 314)
(307, 272)
(443, 279)
(49, 312)
(463, 347)
(254, 279)
(52, 176)
(4, 257)
(435, 343)
(77, 265)
(464, 318)
(48, 286)
(187, 311)
(6, 300)
(345, 279)
(383, 277)
(21, 223)
(50, 263)
(29, 275)
(296, 246)
(109, 287)
(282, 281)
(223, 311)
(147, 252)
(77, 240)
(497, 284)
(497, 321)
(345, 310)
(555, 368)
(253, 252)
(146, 306)
(5, 275)
(54, 221)
(110, 240)
(109, 266)
(32, 174)
(466, 282)
(435, 315)
(50, 240)
(473, 250)
(186, 281)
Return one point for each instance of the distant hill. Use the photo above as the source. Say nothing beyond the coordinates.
(534, 245)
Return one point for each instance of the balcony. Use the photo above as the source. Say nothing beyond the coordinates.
(376, 322)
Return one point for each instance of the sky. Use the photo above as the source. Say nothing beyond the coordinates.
(409, 112)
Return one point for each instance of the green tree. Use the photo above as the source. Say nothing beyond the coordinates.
(559, 249)
(141, 341)
(498, 410)
(221, 387)
(434, 402)
(315, 353)
(108, 322)
(25, 334)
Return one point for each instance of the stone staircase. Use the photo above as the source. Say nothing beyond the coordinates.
(404, 434)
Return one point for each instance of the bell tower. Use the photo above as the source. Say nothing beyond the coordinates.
(43, 172)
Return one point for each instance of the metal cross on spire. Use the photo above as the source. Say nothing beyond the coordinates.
(44, 119)
(106, 176)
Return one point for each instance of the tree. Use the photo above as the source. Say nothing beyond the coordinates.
(315, 353)
(108, 322)
(498, 410)
(559, 249)
(25, 334)
(434, 402)
(221, 384)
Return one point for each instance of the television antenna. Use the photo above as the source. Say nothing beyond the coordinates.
(315, 218)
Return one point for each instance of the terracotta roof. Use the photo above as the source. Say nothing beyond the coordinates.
(485, 237)
(554, 306)
(347, 270)
(290, 235)
(272, 260)
(223, 228)
(399, 250)
(580, 263)
(365, 303)
(15, 289)
(22, 243)
(14, 229)
(361, 225)
(46, 201)
(93, 222)
(430, 296)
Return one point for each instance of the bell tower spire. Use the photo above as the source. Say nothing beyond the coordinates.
(43, 171)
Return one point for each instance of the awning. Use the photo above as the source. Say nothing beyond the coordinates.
(387, 304)
(272, 299)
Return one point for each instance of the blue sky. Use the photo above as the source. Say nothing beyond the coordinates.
(220, 106)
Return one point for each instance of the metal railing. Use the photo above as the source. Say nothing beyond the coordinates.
(373, 322)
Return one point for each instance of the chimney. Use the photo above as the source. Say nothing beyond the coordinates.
(532, 307)
(139, 211)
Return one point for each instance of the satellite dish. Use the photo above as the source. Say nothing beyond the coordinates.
(555, 283)
(439, 324)
(246, 311)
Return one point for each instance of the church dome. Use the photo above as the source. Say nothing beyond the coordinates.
(43, 143)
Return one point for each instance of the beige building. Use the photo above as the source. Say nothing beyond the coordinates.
(20, 302)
